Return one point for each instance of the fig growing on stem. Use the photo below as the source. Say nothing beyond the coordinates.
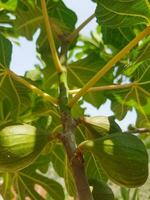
(19, 146)
(122, 156)
(97, 125)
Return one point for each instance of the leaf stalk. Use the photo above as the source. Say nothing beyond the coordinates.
(33, 88)
(105, 87)
(56, 60)
(109, 65)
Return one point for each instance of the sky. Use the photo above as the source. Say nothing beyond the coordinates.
(24, 56)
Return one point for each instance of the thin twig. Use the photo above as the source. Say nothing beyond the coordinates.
(106, 87)
(109, 65)
(138, 130)
(75, 33)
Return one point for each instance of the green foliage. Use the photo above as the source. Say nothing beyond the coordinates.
(28, 100)
(8, 5)
(6, 51)
(27, 181)
(122, 13)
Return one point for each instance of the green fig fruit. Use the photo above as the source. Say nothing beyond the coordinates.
(19, 146)
(97, 125)
(122, 156)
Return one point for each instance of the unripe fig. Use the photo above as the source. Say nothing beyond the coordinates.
(98, 125)
(122, 156)
(19, 146)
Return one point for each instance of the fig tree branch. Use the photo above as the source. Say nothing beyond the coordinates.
(109, 65)
(69, 141)
(50, 38)
(138, 130)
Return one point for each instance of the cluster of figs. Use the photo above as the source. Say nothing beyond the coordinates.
(123, 157)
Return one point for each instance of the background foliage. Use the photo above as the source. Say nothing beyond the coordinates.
(118, 22)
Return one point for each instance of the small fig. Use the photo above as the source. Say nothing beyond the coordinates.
(98, 125)
(19, 146)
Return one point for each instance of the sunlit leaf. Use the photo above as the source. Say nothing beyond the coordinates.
(118, 37)
(14, 97)
(122, 13)
(83, 70)
(8, 5)
(29, 18)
